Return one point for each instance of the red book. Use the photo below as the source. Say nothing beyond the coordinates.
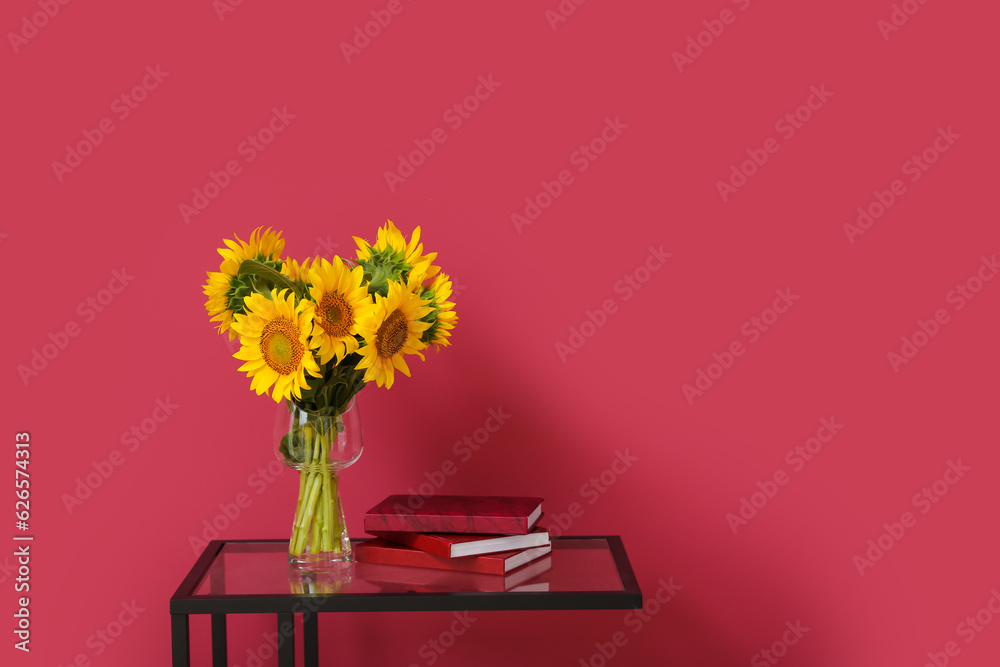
(456, 545)
(399, 579)
(390, 553)
(485, 515)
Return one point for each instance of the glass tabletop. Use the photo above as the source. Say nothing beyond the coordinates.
(260, 568)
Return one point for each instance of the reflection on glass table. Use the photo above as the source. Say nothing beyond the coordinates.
(260, 568)
(253, 577)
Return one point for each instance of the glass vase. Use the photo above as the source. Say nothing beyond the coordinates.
(318, 446)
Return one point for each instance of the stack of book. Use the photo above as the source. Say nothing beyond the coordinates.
(481, 534)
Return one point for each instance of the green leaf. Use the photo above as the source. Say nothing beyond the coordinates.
(268, 276)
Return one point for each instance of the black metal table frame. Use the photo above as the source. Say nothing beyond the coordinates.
(183, 604)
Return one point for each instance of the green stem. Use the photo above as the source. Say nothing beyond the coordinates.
(314, 539)
(318, 524)
(302, 525)
(336, 544)
(325, 528)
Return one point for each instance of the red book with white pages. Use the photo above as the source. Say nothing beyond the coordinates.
(400, 579)
(484, 515)
(457, 545)
(390, 553)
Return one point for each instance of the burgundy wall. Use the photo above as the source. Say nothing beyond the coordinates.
(797, 471)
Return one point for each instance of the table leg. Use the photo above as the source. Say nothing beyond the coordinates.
(180, 640)
(286, 646)
(219, 643)
(310, 639)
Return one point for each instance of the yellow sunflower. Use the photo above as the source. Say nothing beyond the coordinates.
(263, 246)
(392, 245)
(393, 330)
(273, 338)
(443, 317)
(217, 290)
(296, 270)
(224, 290)
(341, 301)
(421, 263)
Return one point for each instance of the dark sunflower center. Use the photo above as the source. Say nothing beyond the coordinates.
(391, 335)
(280, 346)
(337, 315)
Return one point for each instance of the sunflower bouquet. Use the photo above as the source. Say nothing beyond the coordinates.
(314, 333)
